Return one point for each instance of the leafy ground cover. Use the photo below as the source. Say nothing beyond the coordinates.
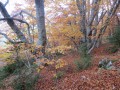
(93, 78)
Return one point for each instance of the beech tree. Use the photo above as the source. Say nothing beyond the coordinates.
(69, 18)
(93, 16)
(40, 18)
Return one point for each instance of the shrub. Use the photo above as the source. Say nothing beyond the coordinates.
(115, 38)
(83, 50)
(3, 74)
(21, 65)
(112, 49)
(85, 60)
(78, 65)
(25, 81)
(10, 68)
(83, 63)
(13, 68)
(7, 70)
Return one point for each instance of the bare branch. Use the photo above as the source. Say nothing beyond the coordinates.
(10, 40)
(6, 3)
(5, 35)
(103, 28)
(94, 11)
(11, 23)
(101, 16)
(28, 26)
(113, 9)
(23, 11)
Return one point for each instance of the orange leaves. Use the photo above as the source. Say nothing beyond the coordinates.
(64, 26)
(60, 63)
(59, 49)
(42, 63)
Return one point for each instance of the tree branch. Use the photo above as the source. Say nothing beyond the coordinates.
(23, 11)
(12, 24)
(103, 28)
(101, 16)
(6, 3)
(28, 26)
(94, 11)
(10, 40)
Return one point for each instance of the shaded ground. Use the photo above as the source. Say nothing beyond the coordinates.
(90, 79)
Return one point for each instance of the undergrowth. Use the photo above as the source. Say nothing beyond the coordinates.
(115, 40)
(22, 68)
(85, 59)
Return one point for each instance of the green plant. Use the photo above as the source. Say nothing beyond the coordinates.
(112, 49)
(83, 50)
(78, 65)
(13, 68)
(85, 59)
(115, 38)
(83, 62)
(25, 82)
(10, 68)
(3, 75)
(22, 69)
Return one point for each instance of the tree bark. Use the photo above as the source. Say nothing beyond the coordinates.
(82, 11)
(107, 21)
(40, 15)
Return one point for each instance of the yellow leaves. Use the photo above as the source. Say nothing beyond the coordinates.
(65, 25)
(59, 49)
(60, 63)
(9, 61)
(56, 63)
(5, 55)
(39, 68)
(50, 62)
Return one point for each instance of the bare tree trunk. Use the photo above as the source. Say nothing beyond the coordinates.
(81, 4)
(40, 15)
(86, 23)
(107, 21)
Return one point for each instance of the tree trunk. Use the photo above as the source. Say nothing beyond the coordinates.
(40, 15)
(81, 4)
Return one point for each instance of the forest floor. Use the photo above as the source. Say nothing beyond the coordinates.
(92, 78)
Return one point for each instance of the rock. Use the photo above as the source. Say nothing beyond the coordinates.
(105, 63)
(111, 68)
